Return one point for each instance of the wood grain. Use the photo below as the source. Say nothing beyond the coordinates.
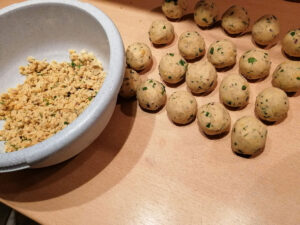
(145, 170)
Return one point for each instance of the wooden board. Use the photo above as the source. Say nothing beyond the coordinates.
(145, 170)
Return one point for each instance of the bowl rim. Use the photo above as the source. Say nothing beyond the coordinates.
(23, 158)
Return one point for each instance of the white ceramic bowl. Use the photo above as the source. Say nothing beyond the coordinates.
(47, 29)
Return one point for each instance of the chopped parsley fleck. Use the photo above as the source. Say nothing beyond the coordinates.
(205, 20)
(182, 62)
(171, 54)
(200, 50)
(53, 114)
(244, 87)
(73, 64)
(90, 98)
(66, 123)
(208, 125)
(229, 102)
(151, 81)
(298, 78)
(292, 33)
(281, 70)
(144, 88)
(252, 60)
(163, 91)
(164, 27)
(207, 114)
(219, 49)
(170, 77)
(211, 51)
(2, 103)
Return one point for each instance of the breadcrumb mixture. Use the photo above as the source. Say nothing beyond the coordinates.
(52, 96)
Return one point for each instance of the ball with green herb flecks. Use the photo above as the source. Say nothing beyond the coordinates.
(287, 76)
(222, 53)
(205, 13)
(235, 20)
(161, 32)
(248, 136)
(272, 104)
(291, 43)
(234, 91)
(138, 56)
(201, 77)
(181, 107)
(174, 9)
(255, 64)
(213, 118)
(172, 68)
(265, 30)
(151, 95)
(130, 83)
(191, 45)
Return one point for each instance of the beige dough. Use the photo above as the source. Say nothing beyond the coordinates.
(287, 76)
(255, 64)
(234, 91)
(172, 68)
(235, 20)
(138, 56)
(213, 118)
(265, 30)
(248, 136)
(272, 104)
(130, 83)
(191, 45)
(174, 9)
(291, 43)
(222, 53)
(161, 32)
(181, 107)
(201, 77)
(205, 13)
(151, 95)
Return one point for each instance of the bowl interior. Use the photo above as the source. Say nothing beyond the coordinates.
(46, 31)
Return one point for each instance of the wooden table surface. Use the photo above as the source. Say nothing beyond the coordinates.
(145, 170)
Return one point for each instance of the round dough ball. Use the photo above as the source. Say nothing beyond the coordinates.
(235, 20)
(291, 43)
(138, 56)
(234, 91)
(172, 68)
(205, 13)
(272, 104)
(213, 118)
(130, 83)
(191, 45)
(248, 136)
(201, 77)
(287, 76)
(151, 95)
(181, 107)
(161, 32)
(255, 64)
(222, 53)
(265, 30)
(174, 9)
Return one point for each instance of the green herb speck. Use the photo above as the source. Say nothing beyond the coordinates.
(164, 27)
(182, 62)
(252, 60)
(66, 123)
(171, 54)
(207, 114)
(144, 88)
(205, 20)
(292, 33)
(211, 51)
(73, 64)
(244, 87)
(298, 78)
(208, 125)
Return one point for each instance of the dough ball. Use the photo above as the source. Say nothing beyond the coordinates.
(287, 76)
(130, 83)
(265, 30)
(181, 107)
(174, 9)
(213, 118)
(191, 45)
(272, 104)
(161, 32)
(291, 43)
(255, 64)
(235, 20)
(151, 95)
(222, 53)
(248, 136)
(234, 91)
(201, 77)
(205, 13)
(172, 68)
(138, 56)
